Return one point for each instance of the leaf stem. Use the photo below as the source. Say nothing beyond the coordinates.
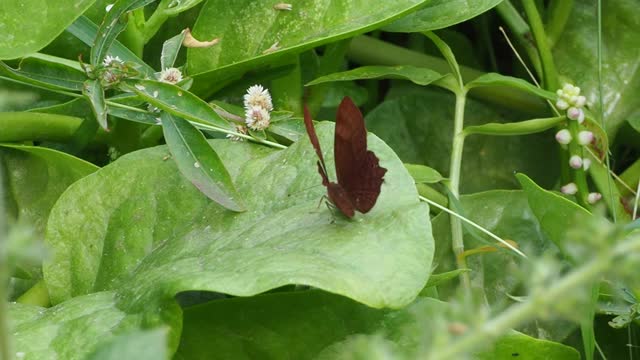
(155, 21)
(457, 241)
(5, 341)
(560, 11)
(521, 31)
(546, 58)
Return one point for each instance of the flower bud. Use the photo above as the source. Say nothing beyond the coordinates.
(586, 163)
(561, 104)
(563, 136)
(580, 101)
(585, 137)
(575, 113)
(569, 189)
(594, 197)
(575, 162)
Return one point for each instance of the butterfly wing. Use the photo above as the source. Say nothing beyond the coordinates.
(311, 131)
(358, 170)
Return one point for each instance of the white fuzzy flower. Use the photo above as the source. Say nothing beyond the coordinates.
(563, 136)
(170, 75)
(108, 60)
(575, 162)
(258, 96)
(594, 197)
(257, 118)
(585, 137)
(580, 101)
(569, 189)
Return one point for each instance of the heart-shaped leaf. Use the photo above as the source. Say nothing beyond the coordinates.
(151, 234)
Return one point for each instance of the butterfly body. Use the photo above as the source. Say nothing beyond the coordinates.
(358, 171)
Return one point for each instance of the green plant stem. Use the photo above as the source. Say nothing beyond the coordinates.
(132, 37)
(25, 126)
(38, 295)
(538, 303)
(5, 341)
(521, 31)
(560, 11)
(546, 57)
(366, 50)
(457, 240)
(155, 21)
(579, 175)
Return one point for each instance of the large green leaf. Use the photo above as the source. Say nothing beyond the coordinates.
(77, 327)
(139, 345)
(37, 176)
(438, 14)
(419, 127)
(26, 26)
(576, 56)
(34, 178)
(316, 325)
(139, 222)
(249, 27)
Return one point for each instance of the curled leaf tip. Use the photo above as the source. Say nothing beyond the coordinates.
(191, 42)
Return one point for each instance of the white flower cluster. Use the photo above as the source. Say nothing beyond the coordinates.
(569, 99)
(257, 106)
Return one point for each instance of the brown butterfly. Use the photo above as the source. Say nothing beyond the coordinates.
(359, 174)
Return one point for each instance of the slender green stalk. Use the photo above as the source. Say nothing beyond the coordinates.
(579, 175)
(5, 341)
(457, 241)
(153, 24)
(521, 31)
(24, 126)
(601, 110)
(366, 50)
(133, 36)
(538, 303)
(537, 28)
(560, 11)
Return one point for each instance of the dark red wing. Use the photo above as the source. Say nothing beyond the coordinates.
(311, 131)
(357, 168)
